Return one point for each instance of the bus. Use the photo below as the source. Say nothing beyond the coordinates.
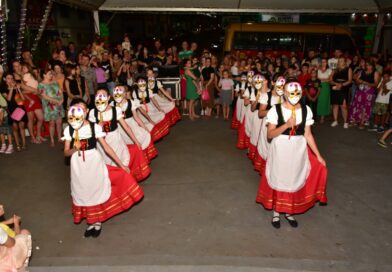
(282, 39)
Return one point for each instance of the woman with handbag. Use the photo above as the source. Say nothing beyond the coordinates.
(18, 116)
(208, 83)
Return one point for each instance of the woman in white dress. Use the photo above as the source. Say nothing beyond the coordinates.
(266, 102)
(243, 138)
(295, 175)
(239, 105)
(109, 118)
(165, 101)
(151, 107)
(260, 93)
(131, 116)
(99, 191)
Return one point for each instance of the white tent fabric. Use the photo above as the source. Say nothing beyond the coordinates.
(286, 6)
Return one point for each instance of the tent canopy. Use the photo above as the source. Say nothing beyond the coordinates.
(286, 6)
(281, 6)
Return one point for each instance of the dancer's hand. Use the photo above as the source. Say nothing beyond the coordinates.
(16, 220)
(291, 122)
(1, 210)
(126, 169)
(77, 145)
(321, 160)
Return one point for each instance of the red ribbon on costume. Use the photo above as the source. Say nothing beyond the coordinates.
(106, 126)
(83, 147)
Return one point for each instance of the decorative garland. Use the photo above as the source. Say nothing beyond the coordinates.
(42, 26)
(3, 35)
(22, 28)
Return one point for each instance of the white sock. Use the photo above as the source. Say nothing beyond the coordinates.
(289, 216)
(275, 216)
(90, 227)
(98, 225)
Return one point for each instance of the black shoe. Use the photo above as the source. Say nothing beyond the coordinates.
(89, 232)
(293, 223)
(276, 224)
(96, 232)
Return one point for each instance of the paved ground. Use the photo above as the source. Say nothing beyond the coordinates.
(199, 211)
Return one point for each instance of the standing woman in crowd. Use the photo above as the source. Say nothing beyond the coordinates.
(71, 84)
(33, 104)
(123, 74)
(52, 102)
(59, 76)
(324, 99)
(15, 97)
(81, 82)
(361, 107)
(207, 79)
(341, 81)
(192, 88)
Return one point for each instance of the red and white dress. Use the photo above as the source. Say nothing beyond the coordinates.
(294, 179)
(262, 143)
(236, 119)
(99, 191)
(161, 128)
(243, 138)
(130, 155)
(169, 107)
(256, 124)
(143, 136)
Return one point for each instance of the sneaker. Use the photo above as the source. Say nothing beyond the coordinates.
(382, 143)
(10, 149)
(380, 130)
(334, 124)
(3, 148)
(345, 125)
(374, 128)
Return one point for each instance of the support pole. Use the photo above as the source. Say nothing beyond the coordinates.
(377, 37)
(96, 22)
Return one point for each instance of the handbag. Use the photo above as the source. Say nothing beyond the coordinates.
(17, 114)
(205, 95)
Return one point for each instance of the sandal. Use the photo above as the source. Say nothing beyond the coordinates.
(18, 148)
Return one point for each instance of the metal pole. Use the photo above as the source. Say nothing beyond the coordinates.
(96, 22)
(377, 37)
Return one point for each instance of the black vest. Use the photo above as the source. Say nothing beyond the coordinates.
(111, 125)
(147, 98)
(155, 89)
(87, 144)
(128, 111)
(300, 130)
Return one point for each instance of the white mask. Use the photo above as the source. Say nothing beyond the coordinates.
(119, 94)
(250, 76)
(76, 117)
(279, 86)
(101, 102)
(259, 81)
(151, 82)
(141, 83)
(294, 93)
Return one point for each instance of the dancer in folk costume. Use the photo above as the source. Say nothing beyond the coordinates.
(165, 101)
(131, 117)
(266, 102)
(243, 139)
(239, 89)
(295, 176)
(260, 90)
(109, 118)
(151, 107)
(99, 191)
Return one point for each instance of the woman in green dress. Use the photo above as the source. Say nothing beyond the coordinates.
(52, 103)
(192, 89)
(324, 74)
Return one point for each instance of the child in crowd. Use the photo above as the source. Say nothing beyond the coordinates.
(226, 84)
(380, 108)
(312, 89)
(126, 44)
(5, 129)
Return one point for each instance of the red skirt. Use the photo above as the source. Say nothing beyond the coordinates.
(151, 151)
(252, 150)
(313, 191)
(243, 140)
(138, 164)
(259, 163)
(235, 124)
(173, 116)
(160, 130)
(125, 193)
